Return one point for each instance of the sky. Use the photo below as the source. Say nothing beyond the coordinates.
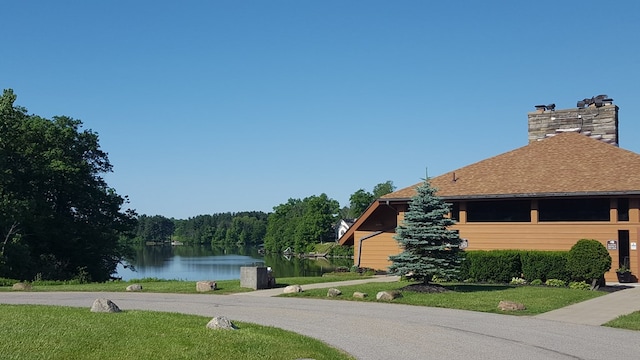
(207, 107)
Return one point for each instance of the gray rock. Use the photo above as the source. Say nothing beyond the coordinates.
(292, 289)
(134, 287)
(388, 295)
(204, 286)
(104, 305)
(221, 322)
(360, 295)
(510, 306)
(21, 286)
(333, 292)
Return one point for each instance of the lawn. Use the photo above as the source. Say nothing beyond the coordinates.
(630, 322)
(180, 287)
(52, 332)
(474, 297)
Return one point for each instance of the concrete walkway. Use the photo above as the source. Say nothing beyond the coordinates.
(599, 310)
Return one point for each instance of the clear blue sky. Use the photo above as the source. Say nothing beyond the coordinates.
(216, 106)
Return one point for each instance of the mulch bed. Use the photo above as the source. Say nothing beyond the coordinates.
(425, 288)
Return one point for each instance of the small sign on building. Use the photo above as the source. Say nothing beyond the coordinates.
(634, 246)
(612, 244)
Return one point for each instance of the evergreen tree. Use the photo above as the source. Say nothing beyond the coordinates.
(429, 247)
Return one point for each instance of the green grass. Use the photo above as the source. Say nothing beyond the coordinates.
(630, 321)
(52, 332)
(472, 297)
(180, 287)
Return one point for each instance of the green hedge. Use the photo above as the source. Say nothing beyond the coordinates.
(544, 265)
(500, 266)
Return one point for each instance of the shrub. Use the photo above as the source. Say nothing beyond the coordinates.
(536, 282)
(555, 283)
(588, 260)
(518, 281)
(545, 265)
(579, 285)
(497, 266)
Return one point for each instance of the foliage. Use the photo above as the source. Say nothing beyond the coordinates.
(139, 335)
(58, 216)
(536, 282)
(495, 266)
(360, 200)
(579, 285)
(246, 228)
(555, 283)
(517, 281)
(430, 248)
(299, 224)
(588, 260)
(544, 265)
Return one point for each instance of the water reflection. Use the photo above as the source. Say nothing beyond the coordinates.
(193, 263)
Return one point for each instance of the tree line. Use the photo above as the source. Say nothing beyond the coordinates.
(296, 225)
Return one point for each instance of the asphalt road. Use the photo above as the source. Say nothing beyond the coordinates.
(382, 331)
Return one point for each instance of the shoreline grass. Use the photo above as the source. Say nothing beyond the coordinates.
(56, 332)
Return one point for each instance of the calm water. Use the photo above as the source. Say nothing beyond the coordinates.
(195, 263)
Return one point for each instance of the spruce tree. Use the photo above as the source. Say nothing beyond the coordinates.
(430, 248)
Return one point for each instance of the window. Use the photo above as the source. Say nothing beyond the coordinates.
(455, 211)
(623, 209)
(573, 209)
(499, 211)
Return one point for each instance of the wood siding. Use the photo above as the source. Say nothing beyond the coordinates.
(375, 249)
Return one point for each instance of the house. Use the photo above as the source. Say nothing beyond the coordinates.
(343, 227)
(570, 182)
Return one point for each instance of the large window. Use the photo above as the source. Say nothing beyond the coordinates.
(573, 209)
(499, 211)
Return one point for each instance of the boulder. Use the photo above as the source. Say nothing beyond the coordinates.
(21, 286)
(292, 289)
(333, 292)
(388, 295)
(104, 305)
(510, 306)
(134, 287)
(360, 295)
(204, 286)
(221, 322)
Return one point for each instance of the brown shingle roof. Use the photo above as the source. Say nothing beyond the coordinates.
(566, 164)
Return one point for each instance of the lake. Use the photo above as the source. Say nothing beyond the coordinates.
(194, 263)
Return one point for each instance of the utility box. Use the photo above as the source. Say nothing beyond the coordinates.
(254, 277)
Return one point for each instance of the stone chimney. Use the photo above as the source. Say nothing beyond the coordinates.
(596, 117)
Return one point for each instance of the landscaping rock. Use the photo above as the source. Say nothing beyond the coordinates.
(21, 286)
(388, 295)
(292, 289)
(104, 305)
(360, 295)
(204, 286)
(510, 306)
(221, 322)
(333, 292)
(134, 287)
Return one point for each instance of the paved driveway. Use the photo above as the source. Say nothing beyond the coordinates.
(383, 331)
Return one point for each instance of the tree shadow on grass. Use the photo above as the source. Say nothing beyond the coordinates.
(466, 288)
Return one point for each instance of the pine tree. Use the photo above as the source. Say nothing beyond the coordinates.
(430, 247)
